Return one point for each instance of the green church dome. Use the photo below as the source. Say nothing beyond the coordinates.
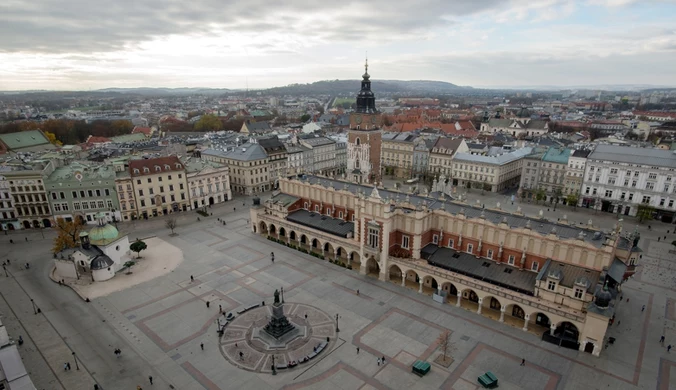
(102, 235)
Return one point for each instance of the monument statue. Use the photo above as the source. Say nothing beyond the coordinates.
(278, 325)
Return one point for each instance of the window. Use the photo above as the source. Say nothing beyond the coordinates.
(92, 204)
(609, 194)
(470, 248)
(652, 176)
(662, 201)
(85, 206)
(150, 191)
(551, 286)
(64, 206)
(613, 171)
(161, 188)
(404, 242)
(76, 205)
(171, 187)
(152, 201)
(140, 192)
(98, 192)
(671, 203)
(143, 203)
(631, 196)
(169, 177)
(633, 183)
(316, 208)
(109, 203)
(107, 192)
(82, 194)
(578, 293)
(649, 186)
(159, 178)
(435, 239)
(535, 266)
(373, 238)
(57, 207)
(90, 193)
(74, 193)
(180, 186)
(646, 199)
(138, 182)
(54, 195)
(450, 243)
(489, 254)
(305, 205)
(510, 260)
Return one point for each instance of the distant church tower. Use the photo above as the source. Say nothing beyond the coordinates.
(364, 138)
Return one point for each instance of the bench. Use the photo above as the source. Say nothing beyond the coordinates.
(488, 380)
(281, 367)
(421, 368)
(248, 308)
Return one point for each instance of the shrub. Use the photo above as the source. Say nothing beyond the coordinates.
(331, 261)
(349, 266)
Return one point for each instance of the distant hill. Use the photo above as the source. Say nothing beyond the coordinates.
(167, 91)
(339, 87)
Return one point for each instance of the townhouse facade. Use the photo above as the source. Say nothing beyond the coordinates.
(575, 175)
(323, 154)
(545, 171)
(160, 186)
(489, 173)
(397, 154)
(83, 190)
(443, 151)
(626, 180)
(8, 217)
(29, 195)
(208, 182)
(249, 167)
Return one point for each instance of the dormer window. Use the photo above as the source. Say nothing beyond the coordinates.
(178, 166)
(146, 170)
(551, 285)
(136, 171)
(167, 167)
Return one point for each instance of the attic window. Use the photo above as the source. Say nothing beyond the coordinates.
(486, 264)
(178, 166)
(146, 169)
(167, 167)
(157, 168)
(136, 170)
(508, 270)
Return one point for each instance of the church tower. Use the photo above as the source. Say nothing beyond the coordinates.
(364, 137)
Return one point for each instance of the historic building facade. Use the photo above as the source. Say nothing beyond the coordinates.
(208, 182)
(29, 195)
(364, 138)
(550, 278)
(160, 186)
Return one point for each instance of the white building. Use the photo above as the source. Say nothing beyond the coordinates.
(619, 179)
(13, 374)
(208, 182)
(323, 154)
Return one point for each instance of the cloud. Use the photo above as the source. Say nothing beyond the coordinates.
(48, 26)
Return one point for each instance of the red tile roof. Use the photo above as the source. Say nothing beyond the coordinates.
(139, 129)
(155, 166)
(97, 140)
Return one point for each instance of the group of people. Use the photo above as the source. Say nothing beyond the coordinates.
(117, 352)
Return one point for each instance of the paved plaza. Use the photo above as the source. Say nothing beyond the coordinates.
(162, 323)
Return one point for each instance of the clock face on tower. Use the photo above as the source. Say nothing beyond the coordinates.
(358, 119)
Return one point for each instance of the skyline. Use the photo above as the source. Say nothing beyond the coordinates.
(263, 44)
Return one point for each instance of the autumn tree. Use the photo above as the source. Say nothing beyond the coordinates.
(208, 122)
(138, 246)
(305, 117)
(52, 138)
(68, 234)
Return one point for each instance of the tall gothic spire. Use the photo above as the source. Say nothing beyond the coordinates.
(366, 100)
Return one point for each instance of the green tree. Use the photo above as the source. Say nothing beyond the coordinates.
(572, 200)
(128, 266)
(208, 122)
(138, 246)
(644, 212)
(540, 195)
(305, 117)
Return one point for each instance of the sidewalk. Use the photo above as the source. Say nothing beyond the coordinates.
(44, 351)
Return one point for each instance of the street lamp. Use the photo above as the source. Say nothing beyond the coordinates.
(35, 310)
(337, 330)
(77, 367)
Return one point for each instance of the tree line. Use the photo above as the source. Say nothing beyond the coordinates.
(69, 131)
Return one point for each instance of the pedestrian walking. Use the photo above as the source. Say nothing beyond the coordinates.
(220, 309)
(202, 346)
(192, 278)
(11, 241)
(96, 387)
(207, 304)
(669, 348)
(306, 316)
(643, 308)
(357, 291)
(383, 359)
(241, 355)
(662, 340)
(150, 378)
(658, 239)
(357, 350)
(68, 365)
(523, 362)
(26, 239)
(65, 366)
(378, 362)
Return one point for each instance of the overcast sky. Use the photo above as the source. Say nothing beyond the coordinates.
(84, 44)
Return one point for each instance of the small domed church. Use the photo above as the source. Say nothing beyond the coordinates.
(102, 252)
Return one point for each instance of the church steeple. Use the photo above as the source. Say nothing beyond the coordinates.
(366, 100)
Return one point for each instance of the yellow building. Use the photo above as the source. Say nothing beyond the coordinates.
(397, 154)
(160, 186)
